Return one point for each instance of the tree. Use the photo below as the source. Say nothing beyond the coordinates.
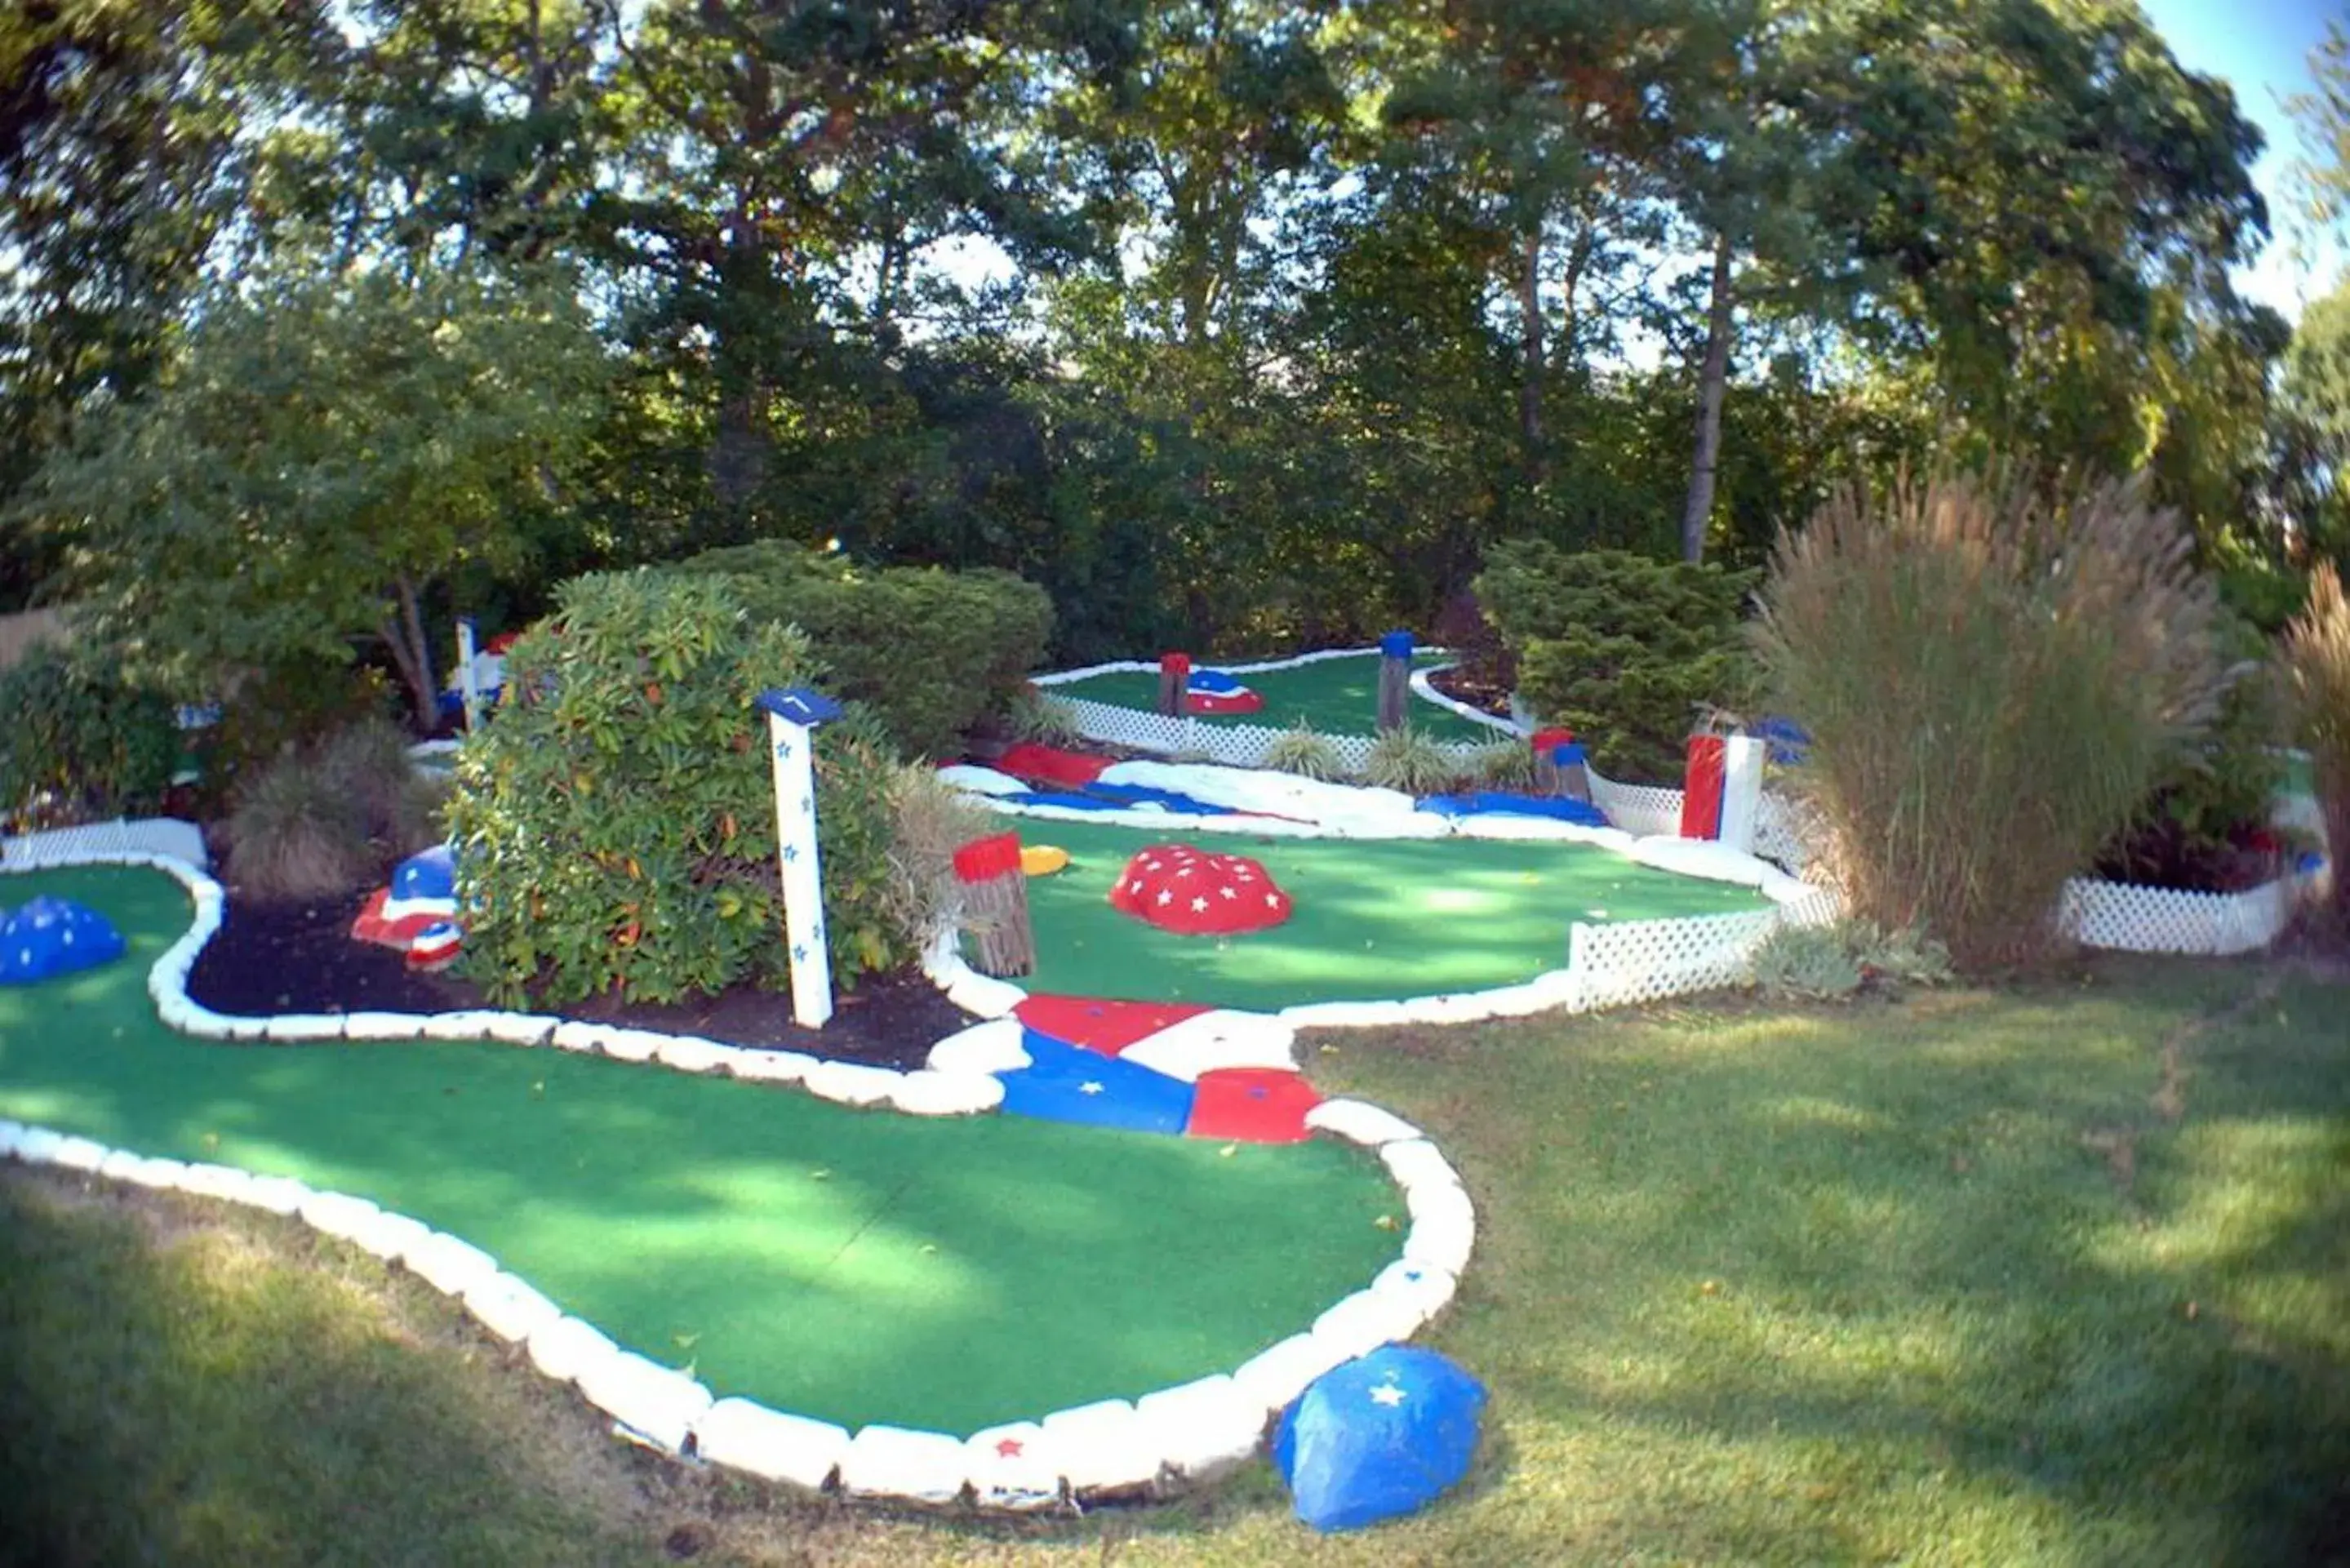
(324, 450)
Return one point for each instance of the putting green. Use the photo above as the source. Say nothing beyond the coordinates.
(856, 1266)
(1375, 919)
(1336, 696)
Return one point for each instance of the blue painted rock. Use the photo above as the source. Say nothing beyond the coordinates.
(1380, 1437)
(50, 937)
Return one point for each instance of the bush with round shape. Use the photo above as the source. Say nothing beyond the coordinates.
(931, 651)
(78, 742)
(1625, 650)
(615, 817)
(297, 833)
(1993, 675)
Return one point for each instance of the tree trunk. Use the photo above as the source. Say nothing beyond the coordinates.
(1711, 377)
(413, 654)
(1530, 386)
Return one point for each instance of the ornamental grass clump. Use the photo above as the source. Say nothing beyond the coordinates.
(2317, 676)
(1306, 753)
(1404, 759)
(1992, 681)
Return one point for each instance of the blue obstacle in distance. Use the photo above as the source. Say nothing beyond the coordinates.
(1787, 743)
(427, 873)
(1500, 803)
(51, 937)
(1378, 1436)
(1215, 681)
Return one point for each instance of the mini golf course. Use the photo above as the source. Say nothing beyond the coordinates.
(1375, 920)
(1335, 696)
(854, 1266)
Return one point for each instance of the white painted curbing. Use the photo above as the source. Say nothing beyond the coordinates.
(746, 1436)
(1194, 1431)
(1012, 1468)
(1360, 1122)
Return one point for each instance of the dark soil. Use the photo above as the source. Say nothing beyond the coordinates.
(2161, 855)
(1481, 688)
(301, 958)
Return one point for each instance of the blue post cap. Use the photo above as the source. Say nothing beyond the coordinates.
(1569, 755)
(802, 705)
(1396, 645)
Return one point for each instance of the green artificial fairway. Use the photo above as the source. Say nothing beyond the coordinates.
(856, 1266)
(1335, 696)
(1375, 919)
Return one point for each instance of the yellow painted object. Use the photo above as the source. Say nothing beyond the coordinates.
(1042, 859)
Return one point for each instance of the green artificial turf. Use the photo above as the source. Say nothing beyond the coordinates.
(1374, 919)
(1336, 696)
(859, 1266)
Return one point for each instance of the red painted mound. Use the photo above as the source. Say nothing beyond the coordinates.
(1252, 1104)
(1108, 1027)
(1192, 892)
(1241, 701)
(1033, 763)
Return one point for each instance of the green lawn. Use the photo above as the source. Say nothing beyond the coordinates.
(1373, 918)
(860, 1266)
(1336, 696)
(2056, 1276)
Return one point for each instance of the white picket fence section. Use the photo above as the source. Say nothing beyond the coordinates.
(2128, 918)
(1235, 746)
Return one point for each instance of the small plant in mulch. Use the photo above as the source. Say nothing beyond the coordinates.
(1041, 719)
(1404, 759)
(1832, 962)
(1504, 765)
(325, 819)
(1306, 753)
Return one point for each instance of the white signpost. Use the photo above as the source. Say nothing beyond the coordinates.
(792, 719)
(469, 679)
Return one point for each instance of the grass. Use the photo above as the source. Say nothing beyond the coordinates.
(2059, 1275)
(1335, 696)
(1373, 918)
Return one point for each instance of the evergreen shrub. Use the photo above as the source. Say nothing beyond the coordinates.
(1622, 649)
(931, 651)
(615, 817)
(78, 741)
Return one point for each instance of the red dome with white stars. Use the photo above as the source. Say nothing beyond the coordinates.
(1191, 891)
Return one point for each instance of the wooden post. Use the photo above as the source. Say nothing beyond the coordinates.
(1570, 777)
(469, 680)
(995, 905)
(1395, 680)
(1545, 744)
(1174, 684)
(792, 718)
(1702, 788)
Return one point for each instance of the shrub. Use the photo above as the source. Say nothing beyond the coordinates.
(1504, 764)
(1823, 963)
(2317, 671)
(614, 818)
(272, 713)
(78, 742)
(296, 834)
(929, 820)
(1405, 759)
(1622, 649)
(1038, 717)
(1991, 684)
(1305, 752)
(931, 651)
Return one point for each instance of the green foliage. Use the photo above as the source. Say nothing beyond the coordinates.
(295, 834)
(1828, 963)
(1040, 717)
(930, 819)
(1991, 683)
(1504, 765)
(1305, 752)
(614, 818)
(269, 714)
(1622, 649)
(1405, 759)
(2214, 793)
(79, 742)
(323, 818)
(2317, 671)
(1806, 963)
(328, 446)
(929, 652)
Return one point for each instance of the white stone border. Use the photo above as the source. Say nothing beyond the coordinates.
(1155, 1444)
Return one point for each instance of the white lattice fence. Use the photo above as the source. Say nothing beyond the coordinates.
(1637, 809)
(1629, 962)
(2127, 918)
(1236, 745)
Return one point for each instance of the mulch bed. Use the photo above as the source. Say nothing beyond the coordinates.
(300, 956)
(1483, 689)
